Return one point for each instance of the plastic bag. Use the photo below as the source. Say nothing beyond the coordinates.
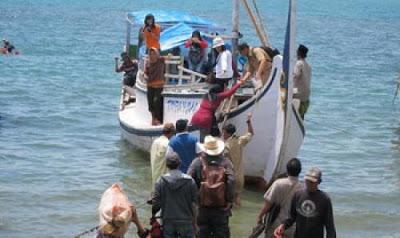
(115, 212)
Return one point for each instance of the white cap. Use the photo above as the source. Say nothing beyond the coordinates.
(218, 41)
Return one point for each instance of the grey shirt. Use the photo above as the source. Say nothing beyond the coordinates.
(175, 194)
(302, 80)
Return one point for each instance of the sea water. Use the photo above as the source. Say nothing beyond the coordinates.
(60, 144)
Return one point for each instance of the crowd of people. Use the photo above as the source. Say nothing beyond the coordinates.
(196, 183)
(217, 64)
(196, 186)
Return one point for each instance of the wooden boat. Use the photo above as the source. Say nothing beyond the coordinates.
(279, 128)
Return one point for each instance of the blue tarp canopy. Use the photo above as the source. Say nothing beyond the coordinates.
(175, 36)
(172, 17)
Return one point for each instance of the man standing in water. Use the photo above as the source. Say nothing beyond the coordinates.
(176, 196)
(302, 80)
(158, 152)
(311, 209)
(215, 178)
(234, 146)
(184, 144)
(280, 194)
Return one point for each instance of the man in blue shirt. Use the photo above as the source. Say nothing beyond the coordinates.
(184, 144)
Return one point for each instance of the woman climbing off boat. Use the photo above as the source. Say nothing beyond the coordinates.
(204, 118)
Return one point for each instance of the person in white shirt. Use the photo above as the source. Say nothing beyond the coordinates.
(158, 152)
(223, 67)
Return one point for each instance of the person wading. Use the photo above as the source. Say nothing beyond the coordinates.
(213, 174)
(234, 146)
(278, 198)
(184, 144)
(311, 209)
(176, 196)
(302, 80)
(158, 152)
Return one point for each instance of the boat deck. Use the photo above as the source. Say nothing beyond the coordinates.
(127, 116)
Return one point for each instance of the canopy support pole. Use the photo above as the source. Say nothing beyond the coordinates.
(263, 38)
(235, 28)
(128, 36)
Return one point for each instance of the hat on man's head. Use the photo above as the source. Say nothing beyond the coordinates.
(314, 175)
(218, 41)
(212, 146)
(172, 159)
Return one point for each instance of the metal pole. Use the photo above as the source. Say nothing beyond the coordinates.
(128, 35)
(235, 28)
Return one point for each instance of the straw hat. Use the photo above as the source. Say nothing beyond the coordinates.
(218, 41)
(213, 146)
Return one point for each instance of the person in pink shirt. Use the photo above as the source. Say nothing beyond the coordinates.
(204, 117)
(196, 55)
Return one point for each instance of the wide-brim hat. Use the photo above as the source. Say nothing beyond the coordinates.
(218, 41)
(212, 146)
(313, 175)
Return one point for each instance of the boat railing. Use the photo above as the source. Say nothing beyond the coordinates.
(176, 75)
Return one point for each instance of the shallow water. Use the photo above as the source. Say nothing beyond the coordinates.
(60, 144)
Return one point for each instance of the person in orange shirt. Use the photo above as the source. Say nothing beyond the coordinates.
(151, 32)
(154, 75)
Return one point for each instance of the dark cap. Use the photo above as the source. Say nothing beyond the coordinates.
(172, 160)
(314, 175)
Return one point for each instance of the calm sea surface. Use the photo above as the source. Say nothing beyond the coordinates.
(60, 143)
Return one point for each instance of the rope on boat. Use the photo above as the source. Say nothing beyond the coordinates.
(397, 88)
(333, 127)
(260, 20)
(87, 232)
(260, 33)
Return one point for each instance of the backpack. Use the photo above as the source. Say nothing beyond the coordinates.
(271, 52)
(212, 187)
